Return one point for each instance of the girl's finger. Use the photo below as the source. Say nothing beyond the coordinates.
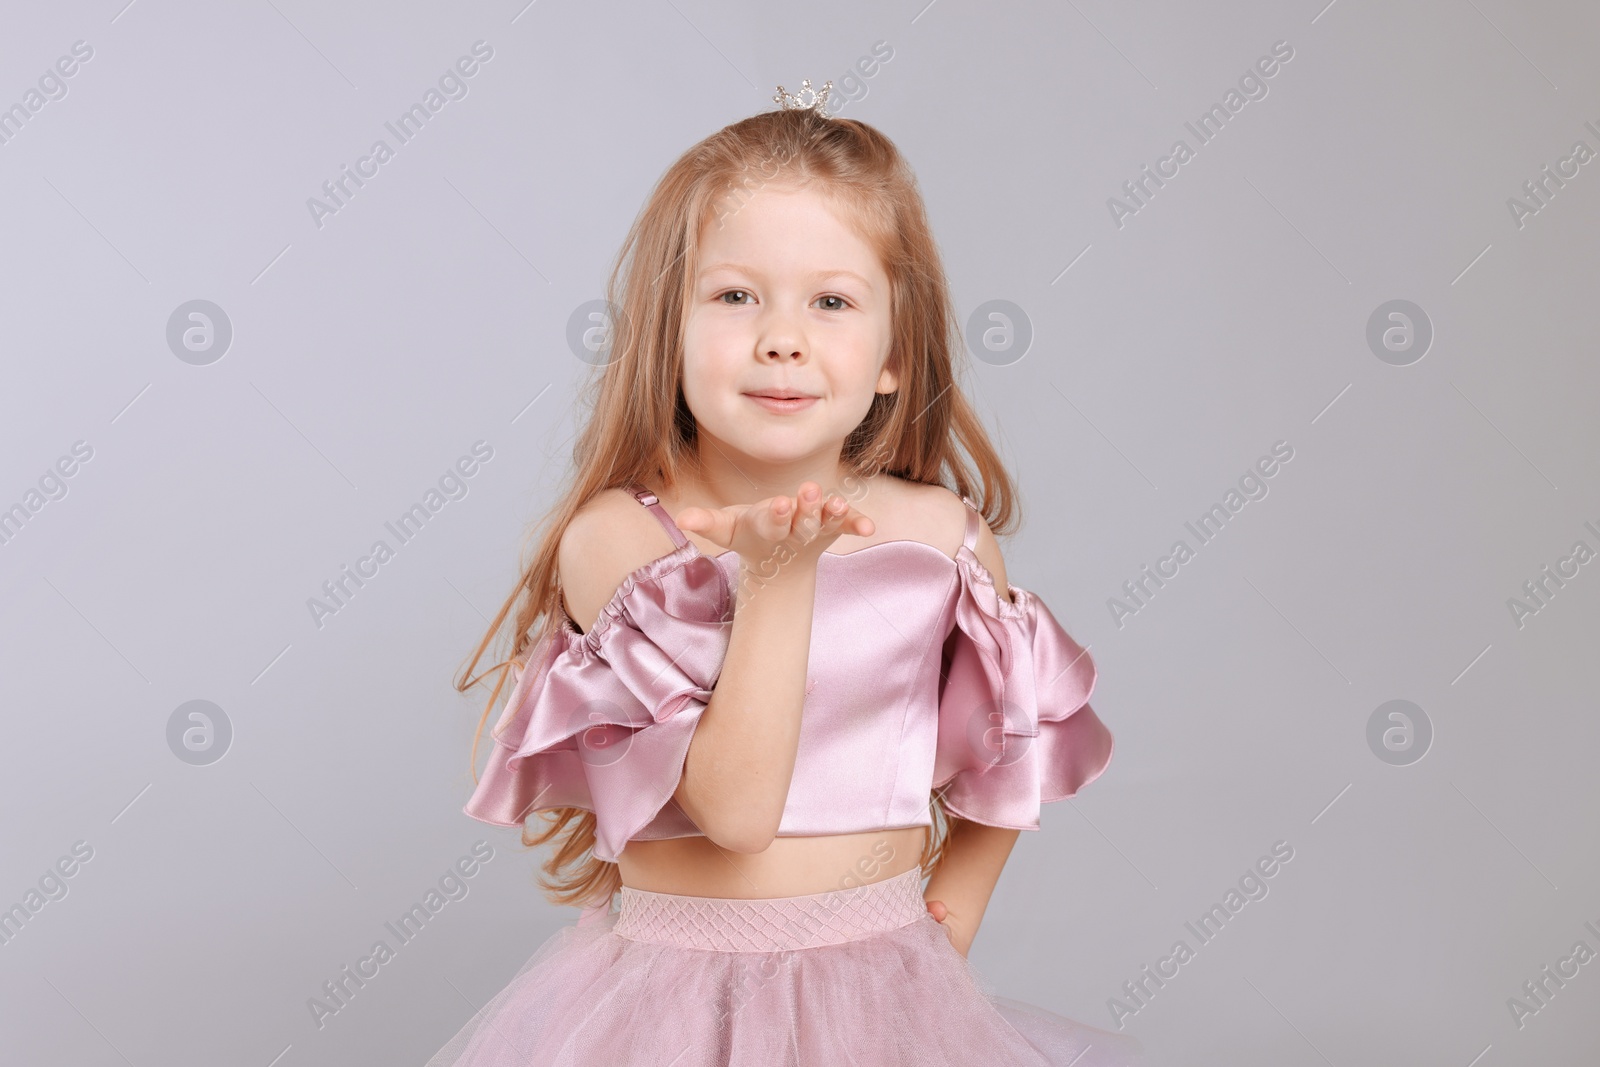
(775, 518)
(713, 525)
(802, 520)
(835, 513)
(847, 519)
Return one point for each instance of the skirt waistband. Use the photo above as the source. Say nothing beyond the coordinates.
(772, 924)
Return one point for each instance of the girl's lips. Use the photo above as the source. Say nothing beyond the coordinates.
(783, 407)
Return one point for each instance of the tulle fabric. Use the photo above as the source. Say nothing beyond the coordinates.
(646, 985)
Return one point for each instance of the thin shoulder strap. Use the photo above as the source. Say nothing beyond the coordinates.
(651, 501)
(971, 538)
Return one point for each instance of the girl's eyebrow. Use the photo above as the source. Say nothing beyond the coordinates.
(815, 275)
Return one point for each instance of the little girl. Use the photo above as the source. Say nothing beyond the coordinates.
(782, 679)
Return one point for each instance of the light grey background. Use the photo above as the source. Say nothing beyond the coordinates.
(1168, 355)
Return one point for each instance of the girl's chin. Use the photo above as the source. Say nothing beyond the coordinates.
(773, 450)
(769, 439)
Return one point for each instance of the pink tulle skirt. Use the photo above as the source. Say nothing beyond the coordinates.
(852, 976)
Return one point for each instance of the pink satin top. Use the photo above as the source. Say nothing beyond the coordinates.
(920, 678)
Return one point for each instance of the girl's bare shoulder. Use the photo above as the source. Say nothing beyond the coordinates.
(934, 515)
(914, 511)
(610, 537)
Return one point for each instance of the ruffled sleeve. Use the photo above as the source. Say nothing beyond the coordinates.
(603, 720)
(1015, 725)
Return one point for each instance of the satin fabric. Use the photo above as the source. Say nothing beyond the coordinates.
(920, 677)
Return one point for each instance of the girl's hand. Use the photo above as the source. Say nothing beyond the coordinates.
(941, 915)
(804, 524)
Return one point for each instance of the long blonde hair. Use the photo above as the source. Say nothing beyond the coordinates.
(641, 429)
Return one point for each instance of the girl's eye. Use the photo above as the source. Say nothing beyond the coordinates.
(843, 303)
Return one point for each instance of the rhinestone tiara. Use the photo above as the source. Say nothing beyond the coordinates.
(817, 101)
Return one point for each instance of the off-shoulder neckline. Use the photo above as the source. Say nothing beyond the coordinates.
(681, 555)
(845, 555)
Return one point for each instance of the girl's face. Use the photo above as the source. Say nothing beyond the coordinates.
(787, 299)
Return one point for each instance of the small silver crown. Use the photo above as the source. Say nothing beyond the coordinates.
(806, 99)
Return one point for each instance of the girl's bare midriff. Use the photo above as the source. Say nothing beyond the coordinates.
(790, 866)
